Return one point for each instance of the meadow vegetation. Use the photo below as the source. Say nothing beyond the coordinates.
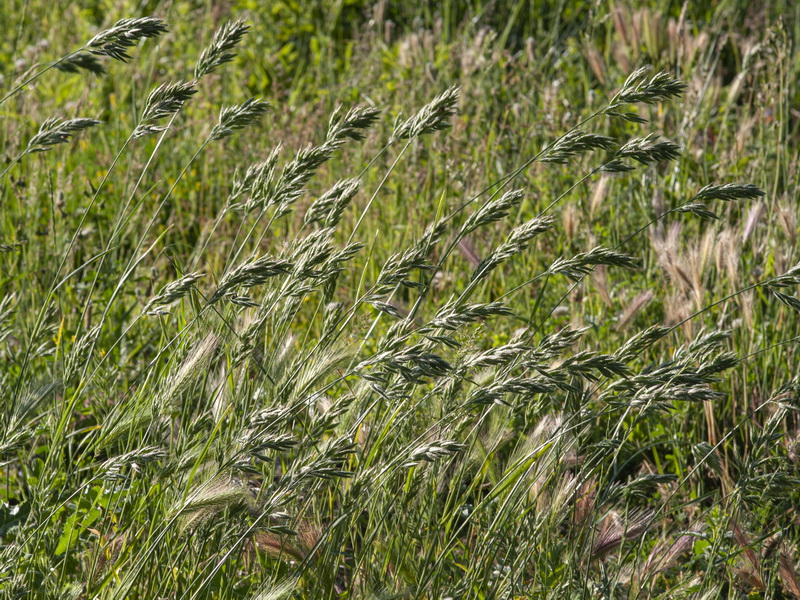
(352, 299)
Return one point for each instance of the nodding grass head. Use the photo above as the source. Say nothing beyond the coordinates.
(56, 130)
(126, 33)
(434, 116)
(82, 61)
(574, 144)
(164, 101)
(638, 89)
(234, 118)
(649, 149)
(219, 51)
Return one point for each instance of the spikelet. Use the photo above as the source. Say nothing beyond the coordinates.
(434, 116)
(164, 101)
(219, 51)
(126, 33)
(56, 131)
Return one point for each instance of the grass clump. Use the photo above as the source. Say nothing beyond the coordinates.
(285, 392)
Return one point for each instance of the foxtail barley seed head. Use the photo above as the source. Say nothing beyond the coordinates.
(219, 492)
(78, 352)
(615, 530)
(191, 369)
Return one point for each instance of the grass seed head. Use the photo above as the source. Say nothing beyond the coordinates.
(164, 101)
(648, 150)
(82, 61)
(730, 191)
(234, 118)
(126, 33)
(220, 50)
(637, 89)
(353, 124)
(574, 144)
(434, 116)
(56, 131)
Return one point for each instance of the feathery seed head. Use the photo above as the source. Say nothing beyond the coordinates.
(81, 61)
(234, 118)
(516, 242)
(582, 264)
(648, 150)
(493, 210)
(254, 272)
(113, 467)
(431, 452)
(575, 143)
(636, 88)
(452, 317)
(352, 124)
(164, 101)
(257, 183)
(125, 34)
(434, 116)
(616, 166)
(56, 131)
(730, 191)
(329, 208)
(173, 291)
(219, 52)
(790, 279)
(697, 208)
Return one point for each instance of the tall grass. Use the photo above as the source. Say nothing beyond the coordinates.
(282, 409)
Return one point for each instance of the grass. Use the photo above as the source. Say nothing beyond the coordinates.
(458, 300)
